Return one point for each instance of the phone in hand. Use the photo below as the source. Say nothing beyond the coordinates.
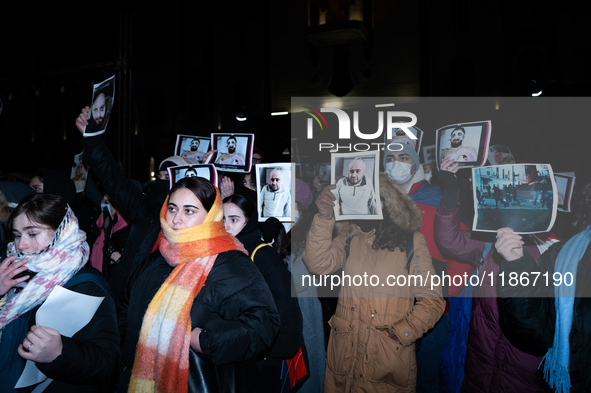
(26, 273)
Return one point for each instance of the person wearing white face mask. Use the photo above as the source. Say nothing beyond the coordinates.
(403, 166)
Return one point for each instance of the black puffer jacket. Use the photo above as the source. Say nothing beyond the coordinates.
(235, 308)
(529, 322)
(90, 358)
(140, 210)
(279, 280)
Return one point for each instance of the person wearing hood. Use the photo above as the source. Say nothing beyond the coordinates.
(240, 220)
(376, 324)
(140, 210)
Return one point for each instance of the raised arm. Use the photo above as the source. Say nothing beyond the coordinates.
(125, 195)
(322, 254)
(451, 240)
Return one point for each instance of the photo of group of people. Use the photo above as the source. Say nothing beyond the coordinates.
(466, 143)
(519, 196)
(103, 96)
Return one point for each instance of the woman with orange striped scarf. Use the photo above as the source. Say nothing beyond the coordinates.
(198, 311)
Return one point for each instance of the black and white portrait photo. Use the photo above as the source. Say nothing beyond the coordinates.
(206, 171)
(357, 185)
(103, 96)
(196, 147)
(274, 191)
(234, 151)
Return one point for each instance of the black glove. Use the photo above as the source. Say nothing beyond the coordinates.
(451, 190)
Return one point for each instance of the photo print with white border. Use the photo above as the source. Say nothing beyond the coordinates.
(466, 143)
(234, 151)
(429, 154)
(399, 136)
(519, 196)
(565, 184)
(500, 155)
(275, 191)
(324, 170)
(206, 171)
(357, 192)
(196, 147)
(103, 98)
(79, 174)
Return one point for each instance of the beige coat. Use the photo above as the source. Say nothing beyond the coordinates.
(361, 355)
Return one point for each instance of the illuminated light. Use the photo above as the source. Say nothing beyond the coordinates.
(279, 113)
(383, 105)
(333, 104)
(539, 93)
(135, 132)
(286, 151)
(497, 106)
(240, 118)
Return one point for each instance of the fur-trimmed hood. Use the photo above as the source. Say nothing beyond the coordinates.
(402, 209)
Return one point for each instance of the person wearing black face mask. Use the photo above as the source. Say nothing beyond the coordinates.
(139, 209)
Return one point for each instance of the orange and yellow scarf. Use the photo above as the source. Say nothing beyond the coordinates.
(162, 355)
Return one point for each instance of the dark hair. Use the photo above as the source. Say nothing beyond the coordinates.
(44, 209)
(582, 207)
(244, 203)
(299, 232)
(202, 188)
(389, 235)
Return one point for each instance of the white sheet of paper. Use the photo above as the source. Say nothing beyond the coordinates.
(65, 311)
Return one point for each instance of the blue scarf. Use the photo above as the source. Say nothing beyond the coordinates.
(427, 194)
(557, 358)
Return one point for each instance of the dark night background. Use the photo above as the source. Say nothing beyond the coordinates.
(191, 67)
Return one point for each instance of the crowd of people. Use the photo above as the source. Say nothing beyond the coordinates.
(195, 293)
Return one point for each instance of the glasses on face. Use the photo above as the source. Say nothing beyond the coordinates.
(257, 160)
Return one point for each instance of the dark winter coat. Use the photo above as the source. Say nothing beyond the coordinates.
(234, 308)
(493, 364)
(279, 280)
(140, 210)
(529, 321)
(362, 356)
(90, 358)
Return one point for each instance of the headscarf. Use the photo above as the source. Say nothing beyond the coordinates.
(55, 264)
(162, 356)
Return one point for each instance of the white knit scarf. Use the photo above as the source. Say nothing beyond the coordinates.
(55, 264)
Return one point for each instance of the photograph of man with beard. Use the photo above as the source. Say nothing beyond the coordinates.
(355, 193)
(232, 157)
(193, 151)
(458, 152)
(102, 105)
